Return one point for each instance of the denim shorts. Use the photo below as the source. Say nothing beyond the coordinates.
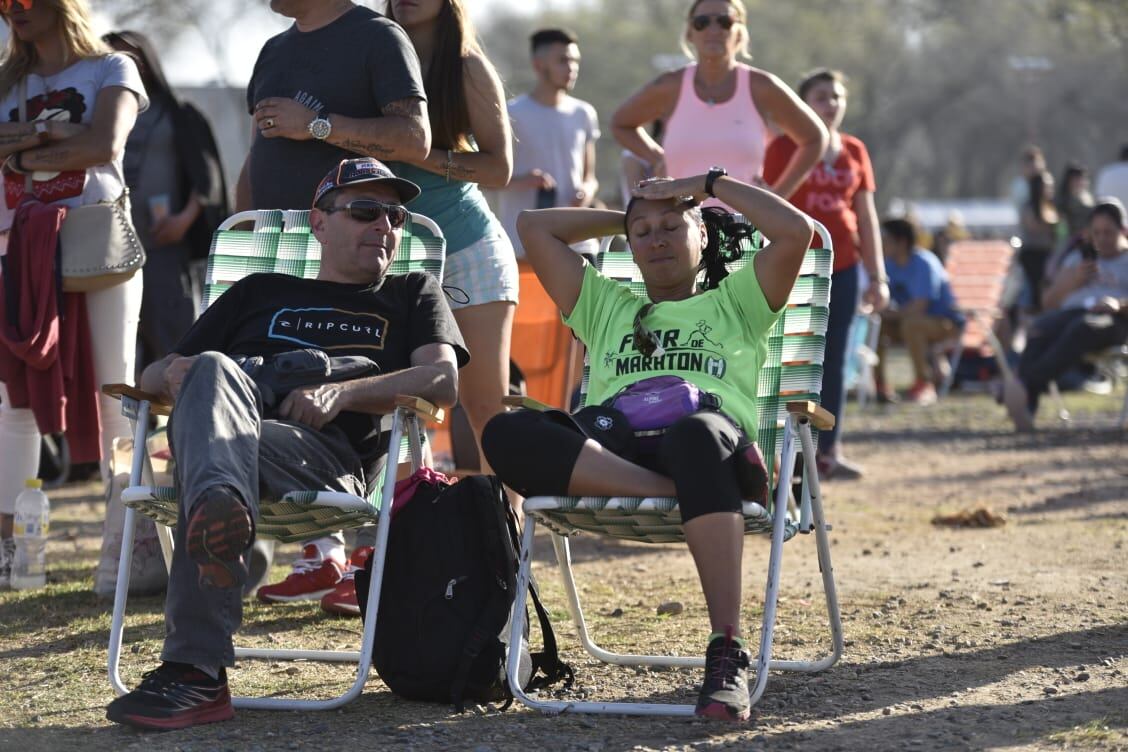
(483, 272)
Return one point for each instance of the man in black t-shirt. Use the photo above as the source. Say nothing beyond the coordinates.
(324, 436)
(343, 81)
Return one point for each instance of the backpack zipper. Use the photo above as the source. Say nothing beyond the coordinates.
(450, 586)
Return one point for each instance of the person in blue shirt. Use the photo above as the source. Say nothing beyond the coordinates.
(922, 310)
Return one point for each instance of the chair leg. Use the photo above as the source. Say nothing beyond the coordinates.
(140, 424)
(1059, 403)
(1123, 423)
(564, 558)
(775, 557)
(822, 541)
(513, 661)
(403, 421)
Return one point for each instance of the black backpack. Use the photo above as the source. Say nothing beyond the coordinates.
(449, 582)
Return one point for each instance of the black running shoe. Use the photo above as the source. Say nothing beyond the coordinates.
(173, 696)
(219, 533)
(724, 695)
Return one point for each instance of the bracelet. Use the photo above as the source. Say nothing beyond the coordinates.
(449, 163)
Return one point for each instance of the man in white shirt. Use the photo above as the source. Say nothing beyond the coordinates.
(1112, 180)
(554, 137)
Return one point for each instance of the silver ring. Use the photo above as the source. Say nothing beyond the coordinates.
(269, 122)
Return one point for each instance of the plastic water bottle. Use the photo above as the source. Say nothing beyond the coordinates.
(33, 512)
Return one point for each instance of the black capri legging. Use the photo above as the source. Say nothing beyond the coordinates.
(534, 454)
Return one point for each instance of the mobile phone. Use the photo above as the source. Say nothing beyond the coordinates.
(1088, 252)
(546, 198)
(159, 207)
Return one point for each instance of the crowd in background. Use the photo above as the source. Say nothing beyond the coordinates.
(536, 150)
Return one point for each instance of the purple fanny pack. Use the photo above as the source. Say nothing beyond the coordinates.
(654, 404)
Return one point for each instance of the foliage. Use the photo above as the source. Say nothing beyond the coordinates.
(939, 91)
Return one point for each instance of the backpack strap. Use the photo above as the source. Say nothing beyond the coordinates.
(547, 661)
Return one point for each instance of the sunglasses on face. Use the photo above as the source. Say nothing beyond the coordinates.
(6, 6)
(366, 210)
(701, 22)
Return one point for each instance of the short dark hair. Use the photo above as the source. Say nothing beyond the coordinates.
(545, 37)
(818, 76)
(1111, 209)
(900, 229)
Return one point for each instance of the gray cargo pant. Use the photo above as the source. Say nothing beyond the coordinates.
(219, 438)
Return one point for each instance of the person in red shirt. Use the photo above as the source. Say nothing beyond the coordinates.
(838, 193)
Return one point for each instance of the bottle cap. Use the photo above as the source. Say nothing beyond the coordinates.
(33, 483)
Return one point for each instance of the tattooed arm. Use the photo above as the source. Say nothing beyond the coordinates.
(492, 163)
(115, 110)
(403, 133)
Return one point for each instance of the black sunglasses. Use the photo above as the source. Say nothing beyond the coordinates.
(366, 210)
(701, 22)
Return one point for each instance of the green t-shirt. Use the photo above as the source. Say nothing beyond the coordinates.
(717, 339)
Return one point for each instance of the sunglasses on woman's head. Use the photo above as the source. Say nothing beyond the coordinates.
(366, 210)
(6, 6)
(701, 22)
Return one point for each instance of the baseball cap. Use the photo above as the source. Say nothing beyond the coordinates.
(364, 170)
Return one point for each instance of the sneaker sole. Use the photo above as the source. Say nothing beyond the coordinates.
(218, 533)
(721, 712)
(215, 714)
(315, 595)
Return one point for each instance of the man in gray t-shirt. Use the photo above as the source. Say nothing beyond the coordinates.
(554, 137)
(343, 81)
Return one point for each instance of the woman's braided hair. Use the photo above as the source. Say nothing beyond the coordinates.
(726, 238)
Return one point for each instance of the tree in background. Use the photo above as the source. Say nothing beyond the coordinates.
(946, 92)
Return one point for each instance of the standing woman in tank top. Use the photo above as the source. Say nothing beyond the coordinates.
(470, 147)
(716, 110)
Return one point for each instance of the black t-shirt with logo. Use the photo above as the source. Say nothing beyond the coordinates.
(267, 314)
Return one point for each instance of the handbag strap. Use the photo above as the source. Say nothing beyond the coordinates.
(29, 184)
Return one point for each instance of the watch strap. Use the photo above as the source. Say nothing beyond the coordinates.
(711, 177)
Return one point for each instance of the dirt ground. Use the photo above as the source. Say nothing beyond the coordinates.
(1010, 637)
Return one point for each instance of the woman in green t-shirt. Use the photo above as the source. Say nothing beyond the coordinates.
(713, 336)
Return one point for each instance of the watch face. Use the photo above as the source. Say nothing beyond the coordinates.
(320, 128)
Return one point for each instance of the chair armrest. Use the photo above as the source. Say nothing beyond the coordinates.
(421, 407)
(157, 406)
(520, 400)
(821, 419)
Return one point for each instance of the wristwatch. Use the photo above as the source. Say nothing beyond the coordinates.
(711, 177)
(320, 128)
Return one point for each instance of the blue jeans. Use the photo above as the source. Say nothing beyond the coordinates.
(219, 438)
(844, 292)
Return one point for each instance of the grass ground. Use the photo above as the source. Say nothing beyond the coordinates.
(1010, 637)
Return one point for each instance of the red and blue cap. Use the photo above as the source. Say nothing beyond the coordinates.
(364, 170)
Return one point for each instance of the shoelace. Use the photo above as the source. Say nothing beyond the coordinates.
(158, 680)
(305, 566)
(725, 666)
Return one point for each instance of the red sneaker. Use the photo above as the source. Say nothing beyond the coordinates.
(314, 575)
(342, 599)
(921, 393)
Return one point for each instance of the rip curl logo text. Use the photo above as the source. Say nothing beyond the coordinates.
(329, 328)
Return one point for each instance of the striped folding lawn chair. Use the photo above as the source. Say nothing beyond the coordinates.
(281, 241)
(789, 387)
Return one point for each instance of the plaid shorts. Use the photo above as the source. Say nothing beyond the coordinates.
(484, 272)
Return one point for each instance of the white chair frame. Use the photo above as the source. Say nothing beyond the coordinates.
(797, 427)
(138, 408)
